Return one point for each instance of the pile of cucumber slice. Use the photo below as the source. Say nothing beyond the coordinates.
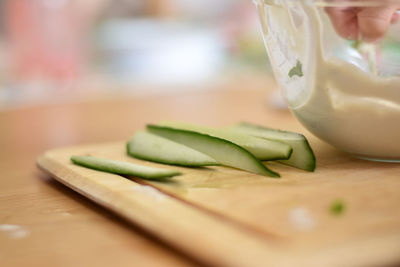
(243, 146)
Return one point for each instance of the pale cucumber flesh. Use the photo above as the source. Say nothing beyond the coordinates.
(302, 157)
(262, 148)
(225, 152)
(155, 148)
(122, 167)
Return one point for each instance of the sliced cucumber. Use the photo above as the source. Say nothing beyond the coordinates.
(223, 151)
(302, 157)
(263, 149)
(122, 167)
(152, 147)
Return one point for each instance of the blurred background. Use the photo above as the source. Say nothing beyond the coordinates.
(63, 50)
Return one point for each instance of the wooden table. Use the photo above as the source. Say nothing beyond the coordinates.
(43, 223)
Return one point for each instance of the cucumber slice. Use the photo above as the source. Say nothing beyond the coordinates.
(122, 167)
(302, 157)
(261, 148)
(152, 147)
(224, 151)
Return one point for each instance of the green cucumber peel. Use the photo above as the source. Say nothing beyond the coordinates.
(302, 157)
(225, 152)
(261, 148)
(151, 147)
(123, 167)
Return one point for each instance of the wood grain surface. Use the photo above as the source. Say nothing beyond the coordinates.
(65, 229)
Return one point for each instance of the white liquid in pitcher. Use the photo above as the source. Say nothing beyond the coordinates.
(355, 111)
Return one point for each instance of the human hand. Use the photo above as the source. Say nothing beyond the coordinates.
(368, 23)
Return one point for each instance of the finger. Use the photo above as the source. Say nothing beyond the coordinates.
(344, 20)
(395, 18)
(373, 22)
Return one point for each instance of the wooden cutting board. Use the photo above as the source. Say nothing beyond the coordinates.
(227, 217)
